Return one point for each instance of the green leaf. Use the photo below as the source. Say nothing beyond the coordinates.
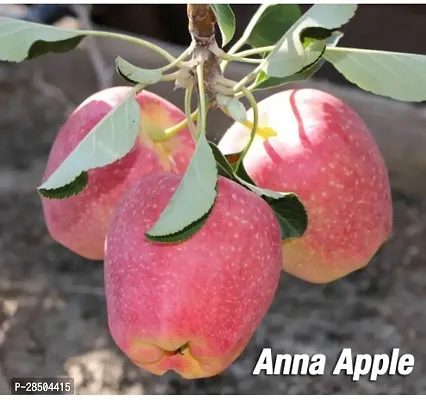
(291, 215)
(184, 234)
(290, 56)
(22, 40)
(223, 166)
(290, 212)
(68, 190)
(263, 81)
(238, 170)
(273, 23)
(235, 108)
(288, 209)
(400, 76)
(226, 21)
(242, 173)
(136, 75)
(111, 139)
(314, 33)
(193, 199)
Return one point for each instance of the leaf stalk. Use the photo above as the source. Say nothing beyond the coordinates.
(253, 104)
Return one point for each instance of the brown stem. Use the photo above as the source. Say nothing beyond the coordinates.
(201, 27)
(201, 23)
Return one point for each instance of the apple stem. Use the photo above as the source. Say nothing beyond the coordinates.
(202, 100)
(173, 130)
(167, 134)
(253, 104)
(188, 98)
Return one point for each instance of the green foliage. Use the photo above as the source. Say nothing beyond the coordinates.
(192, 201)
(400, 76)
(185, 233)
(68, 190)
(311, 34)
(301, 45)
(226, 21)
(22, 40)
(274, 21)
(263, 81)
(135, 75)
(111, 139)
(290, 55)
(290, 212)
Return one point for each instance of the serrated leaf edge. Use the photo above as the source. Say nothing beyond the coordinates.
(121, 60)
(160, 238)
(48, 193)
(126, 98)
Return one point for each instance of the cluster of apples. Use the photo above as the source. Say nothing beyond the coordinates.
(193, 306)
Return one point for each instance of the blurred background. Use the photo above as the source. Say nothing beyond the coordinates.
(52, 308)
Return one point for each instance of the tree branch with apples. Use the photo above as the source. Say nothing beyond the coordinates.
(194, 235)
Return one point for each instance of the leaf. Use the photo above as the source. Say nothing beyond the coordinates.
(68, 190)
(273, 23)
(314, 33)
(263, 81)
(239, 170)
(242, 173)
(22, 40)
(290, 212)
(288, 209)
(224, 168)
(184, 234)
(226, 21)
(192, 200)
(136, 75)
(290, 56)
(235, 108)
(400, 76)
(291, 215)
(111, 139)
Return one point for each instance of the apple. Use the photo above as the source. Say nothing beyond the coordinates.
(319, 148)
(190, 307)
(80, 222)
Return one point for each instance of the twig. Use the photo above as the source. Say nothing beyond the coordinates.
(52, 91)
(104, 75)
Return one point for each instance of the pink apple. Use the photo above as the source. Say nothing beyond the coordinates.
(324, 152)
(80, 222)
(190, 307)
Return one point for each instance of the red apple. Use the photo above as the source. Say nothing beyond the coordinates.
(324, 152)
(80, 222)
(192, 306)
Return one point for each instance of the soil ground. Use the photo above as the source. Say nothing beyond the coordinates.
(52, 307)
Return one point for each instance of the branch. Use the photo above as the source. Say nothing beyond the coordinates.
(202, 23)
(104, 74)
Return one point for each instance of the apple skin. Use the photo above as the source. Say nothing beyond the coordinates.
(207, 293)
(80, 222)
(324, 152)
